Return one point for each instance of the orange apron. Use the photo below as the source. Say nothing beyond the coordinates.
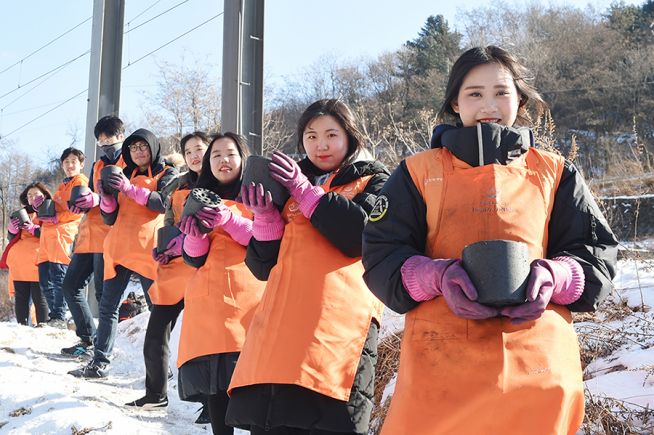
(220, 298)
(92, 229)
(131, 238)
(21, 259)
(311, 325)
(476, 377)
(56, 241)
(172, 278)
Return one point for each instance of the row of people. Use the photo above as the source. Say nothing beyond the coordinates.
(47, 239)
(282, 305)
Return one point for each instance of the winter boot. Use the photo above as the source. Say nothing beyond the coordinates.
(93, 370)
(83, 349)
(148, 402)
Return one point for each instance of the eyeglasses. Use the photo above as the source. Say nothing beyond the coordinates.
(139, 147)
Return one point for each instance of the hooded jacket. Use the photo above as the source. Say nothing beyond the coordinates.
(157, 199)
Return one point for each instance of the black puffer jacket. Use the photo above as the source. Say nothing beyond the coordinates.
(337, 218)
(577, 228)
(157, 199)
(341, 221)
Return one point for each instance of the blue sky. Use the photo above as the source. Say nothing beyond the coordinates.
(297, 34)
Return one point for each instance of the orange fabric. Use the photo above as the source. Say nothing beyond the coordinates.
(311, 325)
(486, 376)
(57, 239)
(92, 229)
(220, 298)
(134, 233)
(21, 259)
(172, 278)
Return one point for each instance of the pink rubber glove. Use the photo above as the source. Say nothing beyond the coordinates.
(14, 226)
(286, 171)
(560, 281)
(137, 194)
(426, 278)
(49, 219)
(37, 201)
(174, 247)
(87, 201)
(214, 217)
(160, 258)
(189, 226)
(30, 227)
(108, 203)
(238, 227)
(196, 244)
(268, 222)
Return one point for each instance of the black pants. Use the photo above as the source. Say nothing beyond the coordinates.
(77, 277)
(293, 431)
(217, 404)
(23, 291)
(156, 352)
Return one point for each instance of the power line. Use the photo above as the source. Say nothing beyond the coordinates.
(156, 16)
(47, 44)
(30, 90)
(46, 73)
(43, 114)
(173, 40)
(85, 90)
(143, 11)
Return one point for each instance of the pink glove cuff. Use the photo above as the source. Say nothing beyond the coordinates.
(422, 276)
(12, 227)
(137, 194)
(108, 203)
(268, 226)
(31, 228)
(575, 279)
(196, 246)
(239, 228)
(309, 200)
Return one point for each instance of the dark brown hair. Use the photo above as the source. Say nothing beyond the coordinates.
(198, 134)
(207, 179)
(491, 54)
(342, 114)
(74, 151)
(44, 190)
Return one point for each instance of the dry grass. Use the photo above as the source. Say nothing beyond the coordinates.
(607, 416)
(6, 305)
(388, 362)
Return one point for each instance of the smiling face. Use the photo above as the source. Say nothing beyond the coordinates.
(487, 94)
(225, 160)
(71, 165)
(325, 142)
(194, 149)
(140, 153)
(32, 193)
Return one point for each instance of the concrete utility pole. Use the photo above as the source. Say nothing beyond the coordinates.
(242, 87)
(104, 82)
(105, 68)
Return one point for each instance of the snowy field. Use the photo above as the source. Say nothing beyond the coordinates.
(38, 397)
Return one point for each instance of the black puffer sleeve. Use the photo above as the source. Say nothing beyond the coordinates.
(261, 257)
(578, 229)
(396, 231)
(342, 220)
(157, 199)
(196, 262)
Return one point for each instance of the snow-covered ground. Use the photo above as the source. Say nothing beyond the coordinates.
(38, 397)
